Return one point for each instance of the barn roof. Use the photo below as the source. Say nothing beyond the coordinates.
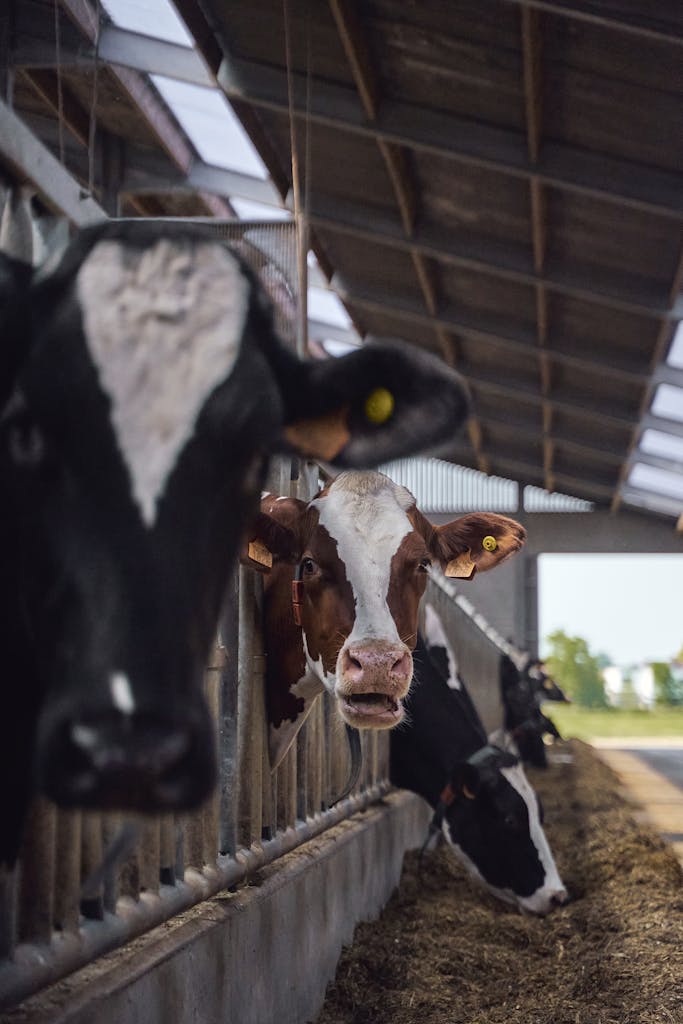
(498, 181)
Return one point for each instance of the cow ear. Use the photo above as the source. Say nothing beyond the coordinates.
(478, 541)
(378, 403)
(465, 781)
(271, 535)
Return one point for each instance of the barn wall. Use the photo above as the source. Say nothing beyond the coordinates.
(264, 953)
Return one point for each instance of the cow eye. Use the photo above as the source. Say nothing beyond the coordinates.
(308, 567)
(424, 565)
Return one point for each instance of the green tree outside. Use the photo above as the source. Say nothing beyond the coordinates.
(668, 683)
(576, 670)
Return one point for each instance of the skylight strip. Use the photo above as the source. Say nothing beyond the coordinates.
(155, 18)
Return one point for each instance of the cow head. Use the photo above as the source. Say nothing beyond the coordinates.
(144, 392)
(360, 553)
(493, 822)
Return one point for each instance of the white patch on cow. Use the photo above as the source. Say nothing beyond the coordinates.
(328, 679)
(365, 513)
(163, 325)
(281, 737)
(121, 693)
(283, 497)
(540, 901)
(435, 635)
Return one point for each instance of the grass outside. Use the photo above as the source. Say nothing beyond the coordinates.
(586, 723)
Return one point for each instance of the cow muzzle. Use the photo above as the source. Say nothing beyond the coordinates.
(129, 763)
(373, 677)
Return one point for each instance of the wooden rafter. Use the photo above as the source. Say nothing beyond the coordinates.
(533, 105)
(402, 179)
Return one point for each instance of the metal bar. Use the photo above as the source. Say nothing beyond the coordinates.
(21, 978)
(32, 162)
(37, 874)
(460, 139)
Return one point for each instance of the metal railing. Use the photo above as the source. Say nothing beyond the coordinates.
(477, 646)
(49, 926)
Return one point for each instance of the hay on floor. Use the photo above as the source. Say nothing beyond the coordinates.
(445, 953)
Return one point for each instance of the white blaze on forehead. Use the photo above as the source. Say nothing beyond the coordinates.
(365, 513)
(163, 325)
(121, 693)
(435, 635)
(552, 883)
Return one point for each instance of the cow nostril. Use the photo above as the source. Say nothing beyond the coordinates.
(352, 666)
(402, 665)
(560, 898)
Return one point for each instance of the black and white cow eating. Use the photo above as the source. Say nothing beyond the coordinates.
(142, 390)
(484, 803)
(522, 692)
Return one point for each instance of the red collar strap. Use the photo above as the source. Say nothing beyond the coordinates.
(297, 593)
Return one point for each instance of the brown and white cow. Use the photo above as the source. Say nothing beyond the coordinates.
(361, 551)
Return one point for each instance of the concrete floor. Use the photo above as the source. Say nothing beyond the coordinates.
(651, 772)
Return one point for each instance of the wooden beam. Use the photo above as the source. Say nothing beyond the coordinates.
(473, 252)
(476, 328)
(76, 119)
(396, 163)
(562, 166)
(643, 26)
(357, 53)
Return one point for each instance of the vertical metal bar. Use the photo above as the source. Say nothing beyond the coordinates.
(67, 870)
(167, 850)
(227, 726)
(302, 750)
(248, 724)
(149, 855)
(212, 809)
(37, 875)
(8, 910)
(111, 824)
(91, 858)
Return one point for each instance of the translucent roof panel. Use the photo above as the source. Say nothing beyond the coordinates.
(246, 209)
(211, 125)
(155, 18)
(668, 402)
(656, 442)
(658, 481)
(675, 357)
(325, 306)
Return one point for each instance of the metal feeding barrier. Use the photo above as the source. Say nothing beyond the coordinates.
(71, 898)
(51, 925)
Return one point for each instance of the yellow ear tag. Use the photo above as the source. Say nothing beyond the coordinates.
(489, 543)
(379, 405)
(462, 567)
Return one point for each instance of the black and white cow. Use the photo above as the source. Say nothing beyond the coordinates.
(522, 693)
(142, 390)
(485, 805)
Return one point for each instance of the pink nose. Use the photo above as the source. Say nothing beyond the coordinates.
(376, 666)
